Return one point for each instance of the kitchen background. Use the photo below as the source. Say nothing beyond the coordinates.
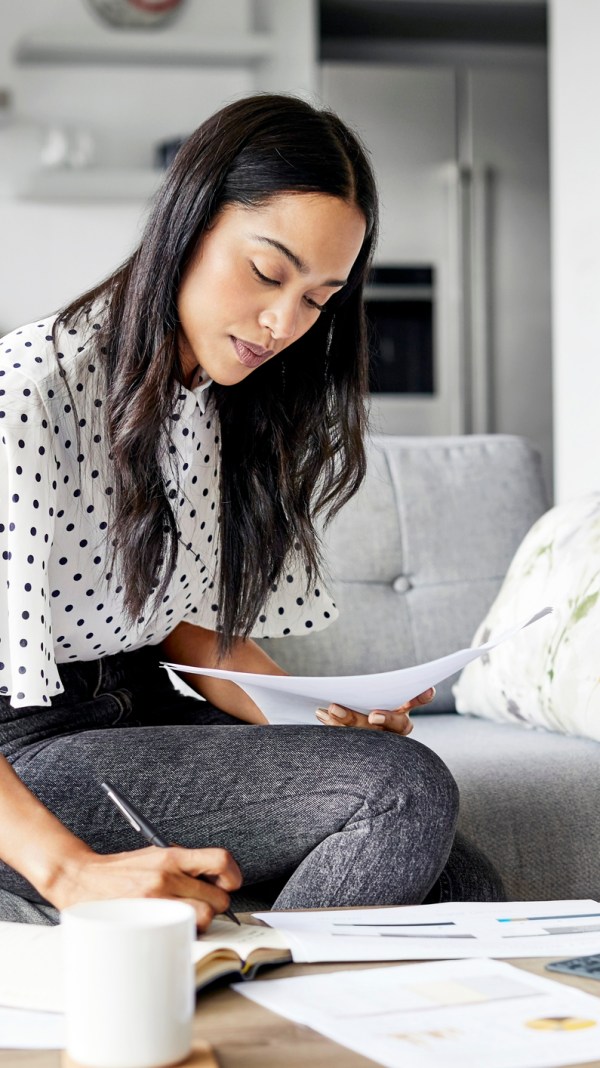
(451, 97)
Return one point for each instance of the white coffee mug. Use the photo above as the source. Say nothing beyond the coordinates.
(129, 982)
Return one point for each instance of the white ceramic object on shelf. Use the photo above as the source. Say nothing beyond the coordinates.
(54, 154)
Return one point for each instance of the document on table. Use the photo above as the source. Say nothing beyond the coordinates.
(452, 1013)
(436, 932)
(30, 967)
(23, 1029)
(294, 698)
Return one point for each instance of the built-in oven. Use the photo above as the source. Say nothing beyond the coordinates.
(400, 305)
(413, 310)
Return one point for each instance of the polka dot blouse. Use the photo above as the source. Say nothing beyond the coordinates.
(59, 599)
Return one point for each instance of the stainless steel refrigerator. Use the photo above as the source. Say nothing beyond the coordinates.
(461, 155)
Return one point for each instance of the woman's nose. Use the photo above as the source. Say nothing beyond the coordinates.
(280, 319)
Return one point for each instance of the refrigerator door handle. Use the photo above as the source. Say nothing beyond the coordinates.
(464, 224)
(475, 243)
(481, 257)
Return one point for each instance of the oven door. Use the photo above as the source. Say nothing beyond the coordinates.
(413, 305)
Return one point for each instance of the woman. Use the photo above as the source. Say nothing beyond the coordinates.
(167, 441)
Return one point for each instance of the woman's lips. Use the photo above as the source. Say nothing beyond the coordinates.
(250, 356)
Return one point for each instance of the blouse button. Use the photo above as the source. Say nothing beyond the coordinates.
(402, 584)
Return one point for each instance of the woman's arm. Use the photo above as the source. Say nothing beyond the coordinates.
(64, 870)
(196, 646)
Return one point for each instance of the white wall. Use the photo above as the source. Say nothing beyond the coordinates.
(575, 170)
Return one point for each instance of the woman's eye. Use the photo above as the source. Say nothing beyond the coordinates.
(274, 282)
(313, 304)
(263, 277)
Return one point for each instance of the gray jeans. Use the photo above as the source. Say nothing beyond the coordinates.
(314, 816)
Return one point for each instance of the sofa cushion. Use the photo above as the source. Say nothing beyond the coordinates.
(528, 799)
(550, 675)
(419, 554)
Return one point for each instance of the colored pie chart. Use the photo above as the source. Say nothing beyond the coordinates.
(560, 1023)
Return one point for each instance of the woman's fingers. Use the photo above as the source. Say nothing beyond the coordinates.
(202, 876)
(421, 699)
(204, 913)
(213, 865)
(339, 716)
(398, 721)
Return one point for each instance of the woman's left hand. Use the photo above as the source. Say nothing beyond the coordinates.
(397, 720)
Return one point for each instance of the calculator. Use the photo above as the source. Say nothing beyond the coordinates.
(589, 967)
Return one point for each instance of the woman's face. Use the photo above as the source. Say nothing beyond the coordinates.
(259, 278)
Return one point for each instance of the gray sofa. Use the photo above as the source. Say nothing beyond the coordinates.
(417, 558)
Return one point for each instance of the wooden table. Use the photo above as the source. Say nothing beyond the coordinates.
(245, 1035)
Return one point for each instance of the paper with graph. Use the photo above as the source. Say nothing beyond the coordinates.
(451, 1013)
(434, 932)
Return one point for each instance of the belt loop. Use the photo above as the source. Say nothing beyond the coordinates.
(100, 673)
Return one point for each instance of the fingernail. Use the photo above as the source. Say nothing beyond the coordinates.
(321, 715)
(337, 711)
(377, 717)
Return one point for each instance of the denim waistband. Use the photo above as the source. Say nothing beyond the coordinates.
(97, 694)
(86, 679)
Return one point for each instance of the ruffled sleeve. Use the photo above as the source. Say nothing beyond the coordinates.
(28, 485)
(294, 607)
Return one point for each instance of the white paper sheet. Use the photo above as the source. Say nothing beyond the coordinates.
(30, 967)
(437, 932)
(294, 698)
(452, 1013)
(22, 1029)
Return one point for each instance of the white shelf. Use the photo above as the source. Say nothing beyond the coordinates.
(142, 48)
(93, 185)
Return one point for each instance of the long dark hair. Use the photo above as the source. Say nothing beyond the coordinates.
(293, 431)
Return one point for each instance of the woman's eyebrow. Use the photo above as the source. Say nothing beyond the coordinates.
(299, 264)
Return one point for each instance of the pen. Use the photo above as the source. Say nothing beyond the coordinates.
(141, 824)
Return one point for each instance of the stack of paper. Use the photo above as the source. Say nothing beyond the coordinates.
(288, 699)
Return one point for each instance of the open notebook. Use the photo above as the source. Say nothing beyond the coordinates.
(31, 959)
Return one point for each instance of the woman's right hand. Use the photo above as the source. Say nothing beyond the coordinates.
(66, 870)
(201, 877)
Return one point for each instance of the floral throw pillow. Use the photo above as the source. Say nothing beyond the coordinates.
(549, 675)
